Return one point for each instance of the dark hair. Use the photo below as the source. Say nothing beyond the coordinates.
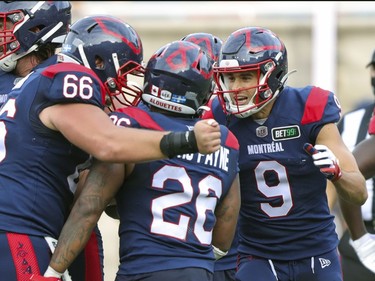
(46, 51)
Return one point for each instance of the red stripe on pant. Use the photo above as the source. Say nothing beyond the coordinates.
(24, 257)
(92, 258)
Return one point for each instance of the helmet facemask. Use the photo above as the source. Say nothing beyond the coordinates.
(8, 41)
(123, 89)
(25, 26)
(251, 49)
(232, 99)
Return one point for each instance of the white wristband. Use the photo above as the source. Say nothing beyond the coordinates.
(218, 253)
(50, 272)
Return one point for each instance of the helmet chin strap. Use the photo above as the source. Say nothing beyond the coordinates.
(282, 83)
(8, 64)
(286, 76)
(269, 92)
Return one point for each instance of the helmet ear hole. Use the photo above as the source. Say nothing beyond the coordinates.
(99, 62)
(209, 43)
(36, 29)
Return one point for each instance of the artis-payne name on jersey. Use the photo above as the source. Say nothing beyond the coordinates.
(218, 159)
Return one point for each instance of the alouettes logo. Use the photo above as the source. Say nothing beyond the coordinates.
(261, 131)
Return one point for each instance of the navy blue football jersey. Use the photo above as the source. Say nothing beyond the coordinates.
(8, 80)
(353, 127)
(284, 212)
(166, 207)
(39, 167)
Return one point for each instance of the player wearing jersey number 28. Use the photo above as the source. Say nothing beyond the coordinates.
(286, 231)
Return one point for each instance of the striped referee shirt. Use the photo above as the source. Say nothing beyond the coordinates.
(353, 127)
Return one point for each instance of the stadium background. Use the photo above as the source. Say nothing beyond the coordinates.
(329, 44)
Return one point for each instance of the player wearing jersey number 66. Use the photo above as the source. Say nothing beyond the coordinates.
(30, 34)
(53, 120)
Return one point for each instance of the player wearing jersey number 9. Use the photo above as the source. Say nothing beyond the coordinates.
(286, 231)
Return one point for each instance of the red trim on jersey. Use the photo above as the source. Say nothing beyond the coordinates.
(232, 141)
(54, 69)
(24, 258)
(93, 265)
(371, 127)
(207, 114)
(315, 104)
(142, 117)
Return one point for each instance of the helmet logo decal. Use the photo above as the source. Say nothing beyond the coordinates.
(66, 48)
(136, 49)
(269, 65)
(164, 94)
(228, 63)
(155, 91)
(205, 42)
(177, 59)
(164, 105)
(208, 42)
(198, 41)
(178, 99)
(167, 95)
(253, 47)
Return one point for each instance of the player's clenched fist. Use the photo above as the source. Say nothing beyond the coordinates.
(207, 134)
